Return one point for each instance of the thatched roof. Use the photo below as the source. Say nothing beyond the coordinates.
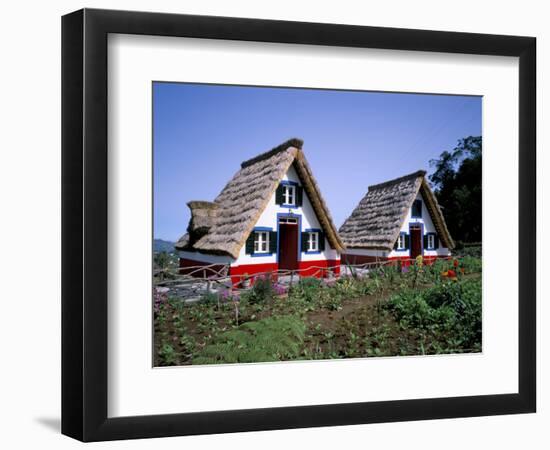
(222, 227)
(375, 223)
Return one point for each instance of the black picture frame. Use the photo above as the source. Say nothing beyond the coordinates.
(84, 224)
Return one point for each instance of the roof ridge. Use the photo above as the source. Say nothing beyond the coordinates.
(294, 142)
(418, 173)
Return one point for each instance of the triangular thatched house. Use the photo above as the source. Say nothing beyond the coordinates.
(398, 219)
(270, 216)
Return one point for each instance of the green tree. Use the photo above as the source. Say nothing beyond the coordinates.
(162, 262)
(457, 185)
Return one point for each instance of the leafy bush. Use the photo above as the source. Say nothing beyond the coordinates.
(350, 287)
(168, 355)
(471, 264)
(262, 290)
(462, 249)
(389, 272)
(309, 282)
(346, 286)
(279, 289)
(330, 294)
(270, 339)
(307, 290)
(160, 299)
(330, 299)
(450, 312)
(208, 298)
(227, 295)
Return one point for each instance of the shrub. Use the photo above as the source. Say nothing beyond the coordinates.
(330, 299)
(433, 271)
(471, 264)
(167, 355)
(306, 290)
(208, 298)
(450, 311)
(349, 287)
(160, 299)
(228, 295)
(279, 289)
(270, 339)
(262, 290)
(462, 249)
(345, 286)
(309, 283)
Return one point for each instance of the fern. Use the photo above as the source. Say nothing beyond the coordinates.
(270, 339)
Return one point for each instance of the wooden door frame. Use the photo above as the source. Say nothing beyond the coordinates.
(299, 250)
(421, 225)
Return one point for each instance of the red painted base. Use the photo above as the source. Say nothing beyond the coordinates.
(247, 272)
(319, 269)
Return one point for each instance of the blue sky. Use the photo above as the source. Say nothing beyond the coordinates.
(201, 134)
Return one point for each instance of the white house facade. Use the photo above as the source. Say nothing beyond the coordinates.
(399, 219)
(290, 231)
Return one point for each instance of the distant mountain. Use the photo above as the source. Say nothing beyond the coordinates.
(160, 245)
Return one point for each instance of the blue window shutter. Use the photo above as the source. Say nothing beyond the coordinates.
(279, 199)
(407, 242)
(304, 237)
(272, 242)
(249, 246)
(321, 241)
(436, 241)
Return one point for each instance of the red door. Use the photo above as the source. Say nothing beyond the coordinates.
(288, 246)
(416, 241)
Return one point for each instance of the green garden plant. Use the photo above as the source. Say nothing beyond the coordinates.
(270, 339)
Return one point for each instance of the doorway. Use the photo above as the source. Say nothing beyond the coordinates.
(288, 243)
(416, 240)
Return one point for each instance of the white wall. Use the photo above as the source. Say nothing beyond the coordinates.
(268, 218)
(30, 195)
(428, 227)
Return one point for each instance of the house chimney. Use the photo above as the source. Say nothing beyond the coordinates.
(203, 215)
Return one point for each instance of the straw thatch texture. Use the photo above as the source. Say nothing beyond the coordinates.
(376, 221)
(319, 206)
(203, 217)
(436, 214)
(247, 194)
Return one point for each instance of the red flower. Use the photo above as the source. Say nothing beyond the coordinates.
(455, 263)
(451, 274)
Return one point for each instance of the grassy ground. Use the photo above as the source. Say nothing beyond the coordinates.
(391, 311)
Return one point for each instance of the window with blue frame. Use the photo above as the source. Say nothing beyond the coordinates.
(262, 241)
(401, 242)
(431, 241)
(313, 241)
(289, 193)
